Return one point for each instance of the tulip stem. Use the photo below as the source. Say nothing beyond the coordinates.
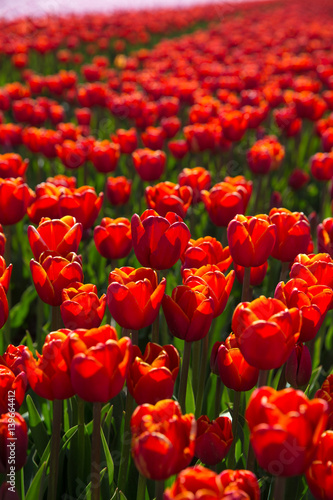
(246, 291)
(155, 330)
(159, 490)
(202, 376)
(262, 379)
(251, 458)
(141, 492)
(55, 447)
(56, 320)
(235, 413)
(284, 271)
(184, 375)
(258, 194)
(279, 488)
(80, 432)
(195, 362)
(96, 452)
(218, 395)
(125, 450)
(282, 380)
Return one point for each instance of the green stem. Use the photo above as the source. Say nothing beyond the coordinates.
(246, 290)
(184, 375)
(262, 379)
(202, 376)
(55, 447)
(80, 432)
(135, 337)
(96, 452)
(159, 490)
(195, 365)
(284, 271)
(235, 413)
(251, 458)
(279, 488)
(258, 195)
(56, 320)
(282, 380)
(156, 330)
(141, 491)
(125, 450)
(218, 395)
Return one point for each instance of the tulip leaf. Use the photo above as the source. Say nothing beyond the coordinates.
(36, 488)
(108, 459)
(20, 311)
(37, 427)
(189, 401)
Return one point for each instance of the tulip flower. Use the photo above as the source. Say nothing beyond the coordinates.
(113, 238)
(321, 165)
(197, 178)
(257, 274)
(105, 156)
(188, 312)
(9, 384)
(178, 148)
(169, 197)
(98, 362)
(153, 138)
(82, 203)
(213, 439)
(293, 234)
(4, 309)
(72, 153)
(15, 197)
(227, 199)
(299, 366)
(12, 165)
(219, 286)
(266, 325)
(81, 307)
(326, 393)
(135, 290)
(251, 240)
(313, 302)
(234, 124)
(152, 376)
(13, 442)
(325, 236)
(45, 203)
(2, 241)
(61, 236)
(49, 376)
(259, 158)
(159, 242)
(163, 439)
(298, 179)
(240, 482)
(204, 251)
(5, 274)
(313, 269)
(149, 164)
(54, 273)
(285, 429)
(319, 475)
(118, 190)
(231, 366)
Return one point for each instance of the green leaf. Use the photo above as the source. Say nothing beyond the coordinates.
(108, 459)
(20, 311)
(37, 427)
(189, 401)
(35, 491)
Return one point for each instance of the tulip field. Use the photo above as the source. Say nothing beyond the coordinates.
(166, 254)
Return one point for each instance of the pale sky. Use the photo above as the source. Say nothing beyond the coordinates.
(18, 8)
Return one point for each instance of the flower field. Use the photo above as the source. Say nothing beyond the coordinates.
(166, 254)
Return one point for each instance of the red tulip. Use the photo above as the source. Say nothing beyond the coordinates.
(298, 179)
(118, 190)
(188, 312)
(234, 124)
(81, 307)
(149, 164)
(178, 148)
(153, 138)
(197, 178)
(251, 240)
(159, 242)
(2, 241)
(163, 439)
(127, 140)
(135, 290)
(240, 484)
(285, 429)
(325, 236)
(12, 165)
(313, 269)
(326, 393)
(266, 325)
(13, 443)
(231, 366)
(151, 376)
(5, 274)
(113, 238)
(319, 475)
(82, 203)
(257, 274)
(98, 362)
(321, 165)
(169, 197)
(61, 236)
(11, 384)
(299, 366)
(15, 196)
(293, 234)
(206, 250)
(105, 156)
(313, 302)
(213, 439)
(259, 158)
(54, 273)
(4, 310)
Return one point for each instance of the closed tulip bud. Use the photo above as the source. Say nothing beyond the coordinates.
(9, 384)
(326, 393)
(198, 178)
(81, 307)
(118, 190)
(169, 197)
(298, 179)
(5, 274)
(266, 325)
(149, 164)
(105, 156)
(82, 203)
(12, 165)
(153, 138)
(15, 197)
(13, 450)
(163, 439)
(285, 429)
(135, 290)
(151, 376)
(127, 140)
(213, 439)
(321, 165)
(299, 367)
(61, 236)
(159, 242)
(113, 238)
(206, 251)
(319, 475)
(4, 309)
(293, 234)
